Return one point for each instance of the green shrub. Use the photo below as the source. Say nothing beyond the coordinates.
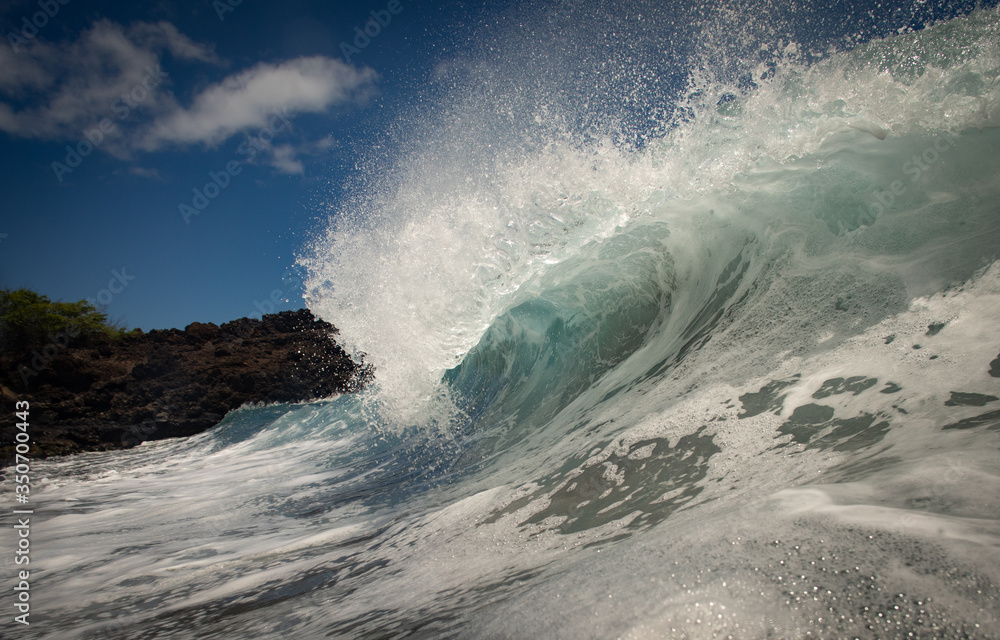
(29, 320)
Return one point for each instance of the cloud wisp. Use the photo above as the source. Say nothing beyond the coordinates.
(52, 92)
(59, 91)
(245, 100)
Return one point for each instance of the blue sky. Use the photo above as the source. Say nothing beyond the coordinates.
(155, 101)
(168, 159)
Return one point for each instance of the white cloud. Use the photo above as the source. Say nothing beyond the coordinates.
(284, 156)
(247, 99)
(52, 91)
(110, 72)
(283, 159)
(143, 172)
(164, 35)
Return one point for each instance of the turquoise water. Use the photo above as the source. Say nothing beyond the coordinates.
(737, 379)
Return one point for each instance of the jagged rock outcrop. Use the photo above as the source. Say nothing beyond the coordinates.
(113, 393)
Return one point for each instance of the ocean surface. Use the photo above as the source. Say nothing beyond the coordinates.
(695, 338)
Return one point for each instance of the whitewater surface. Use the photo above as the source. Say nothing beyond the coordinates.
(737, 377)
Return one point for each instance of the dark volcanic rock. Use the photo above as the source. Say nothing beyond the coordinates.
(110, 394)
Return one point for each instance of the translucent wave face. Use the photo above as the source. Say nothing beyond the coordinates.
(515, 174)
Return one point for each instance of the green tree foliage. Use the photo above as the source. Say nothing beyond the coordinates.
(29, 319)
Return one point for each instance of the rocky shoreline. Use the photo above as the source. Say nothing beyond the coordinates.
(112, 393)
